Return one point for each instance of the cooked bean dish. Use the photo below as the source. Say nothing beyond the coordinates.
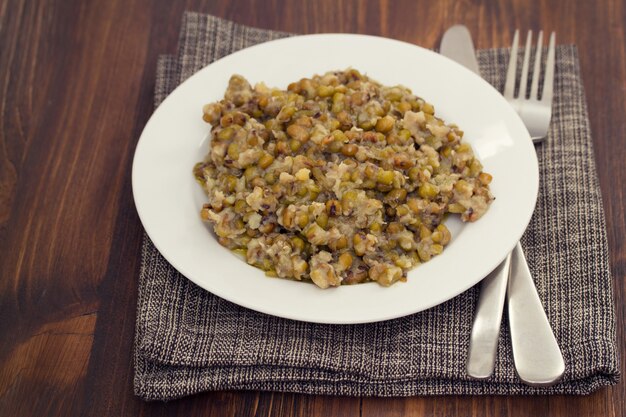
(337, 179)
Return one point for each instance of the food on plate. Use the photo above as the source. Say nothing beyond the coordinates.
(337, 179)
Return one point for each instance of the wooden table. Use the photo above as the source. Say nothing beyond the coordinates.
(77, 81)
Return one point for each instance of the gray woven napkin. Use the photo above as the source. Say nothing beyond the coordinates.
(188, 340)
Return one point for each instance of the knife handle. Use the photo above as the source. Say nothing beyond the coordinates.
(486, 328)
(538, 359)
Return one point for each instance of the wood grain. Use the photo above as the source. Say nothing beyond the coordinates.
(76, 84)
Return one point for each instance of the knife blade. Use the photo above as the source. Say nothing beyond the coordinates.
(457, 45)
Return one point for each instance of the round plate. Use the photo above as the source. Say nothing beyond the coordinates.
(168, 199)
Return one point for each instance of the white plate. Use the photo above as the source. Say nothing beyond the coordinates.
(168, 199)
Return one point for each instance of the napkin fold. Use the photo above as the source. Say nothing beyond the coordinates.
(188, 340)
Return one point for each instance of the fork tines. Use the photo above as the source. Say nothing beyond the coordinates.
(509, 88)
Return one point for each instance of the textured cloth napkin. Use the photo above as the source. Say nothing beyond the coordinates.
(188, 340)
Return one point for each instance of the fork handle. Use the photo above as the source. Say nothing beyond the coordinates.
(486, 328)
(538, 359)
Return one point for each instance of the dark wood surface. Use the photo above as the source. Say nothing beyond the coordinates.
(76, 80)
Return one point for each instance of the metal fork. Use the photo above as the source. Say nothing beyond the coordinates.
(536, 353)
(537, 356)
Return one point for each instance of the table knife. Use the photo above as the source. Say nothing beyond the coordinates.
(457, 45)
(538, 359)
